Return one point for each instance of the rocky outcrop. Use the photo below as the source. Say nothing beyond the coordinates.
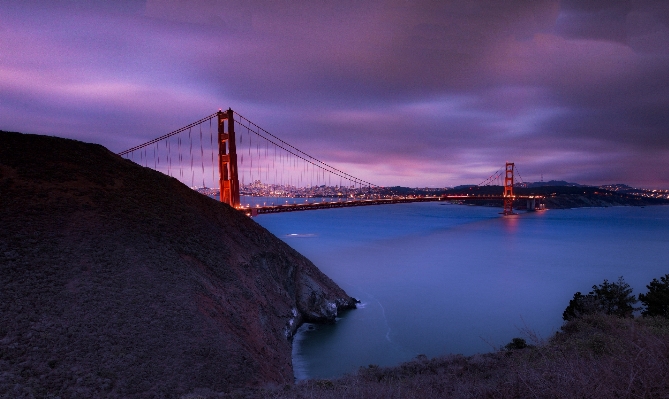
(120, 282)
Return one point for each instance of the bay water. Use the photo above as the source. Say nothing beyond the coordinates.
(437, 278)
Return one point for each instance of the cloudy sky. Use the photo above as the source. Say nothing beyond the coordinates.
(413, 93)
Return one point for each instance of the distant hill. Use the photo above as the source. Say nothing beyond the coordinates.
(561, 197)
(117, 281)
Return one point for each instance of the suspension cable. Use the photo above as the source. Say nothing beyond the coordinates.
(518, 173)
(315, 161)
(493, 177)
(129, 150)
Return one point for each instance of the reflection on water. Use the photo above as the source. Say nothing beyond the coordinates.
(436, 279)
(510, 223)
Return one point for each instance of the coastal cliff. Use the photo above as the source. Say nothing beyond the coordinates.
(120, 282)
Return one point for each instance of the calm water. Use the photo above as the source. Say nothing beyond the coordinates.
(436, 279)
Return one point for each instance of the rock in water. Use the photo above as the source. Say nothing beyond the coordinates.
(119, 281)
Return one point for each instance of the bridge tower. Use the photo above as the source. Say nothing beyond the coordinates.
(227, 159)
(508, 190)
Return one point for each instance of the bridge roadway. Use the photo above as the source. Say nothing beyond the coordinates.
(258, 210)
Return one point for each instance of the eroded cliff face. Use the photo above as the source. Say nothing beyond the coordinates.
(118, 281)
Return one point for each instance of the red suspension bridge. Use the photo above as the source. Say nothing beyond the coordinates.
(252, 161)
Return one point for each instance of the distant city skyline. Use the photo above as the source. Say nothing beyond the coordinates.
(258, 188)
(416, 94)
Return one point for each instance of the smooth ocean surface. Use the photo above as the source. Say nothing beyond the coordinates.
(437, 278)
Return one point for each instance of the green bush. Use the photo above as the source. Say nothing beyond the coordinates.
(579, 306)
(656, 300)
(517, 343)
(608, 298)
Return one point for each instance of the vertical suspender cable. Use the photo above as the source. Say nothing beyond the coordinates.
(211, 140)
(202, 156)
(192, 171)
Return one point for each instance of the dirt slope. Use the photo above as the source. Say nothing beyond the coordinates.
(118, 281)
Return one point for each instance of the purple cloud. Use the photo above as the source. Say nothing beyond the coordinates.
(423, 93)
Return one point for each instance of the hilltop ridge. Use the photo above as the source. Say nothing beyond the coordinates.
(121, 282)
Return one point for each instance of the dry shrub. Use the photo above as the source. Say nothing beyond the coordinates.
(600, 356)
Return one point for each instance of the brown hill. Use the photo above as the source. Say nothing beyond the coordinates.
(117, 281)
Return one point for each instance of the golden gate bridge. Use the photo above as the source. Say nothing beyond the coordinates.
(241, 152)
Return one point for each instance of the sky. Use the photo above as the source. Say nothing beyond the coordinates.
(411, 93)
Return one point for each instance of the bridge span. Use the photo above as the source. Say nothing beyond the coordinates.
(259, 210)
(246, 155)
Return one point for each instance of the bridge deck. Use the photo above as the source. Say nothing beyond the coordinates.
(253, 211)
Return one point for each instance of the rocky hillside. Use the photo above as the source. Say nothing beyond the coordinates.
(117, 281)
